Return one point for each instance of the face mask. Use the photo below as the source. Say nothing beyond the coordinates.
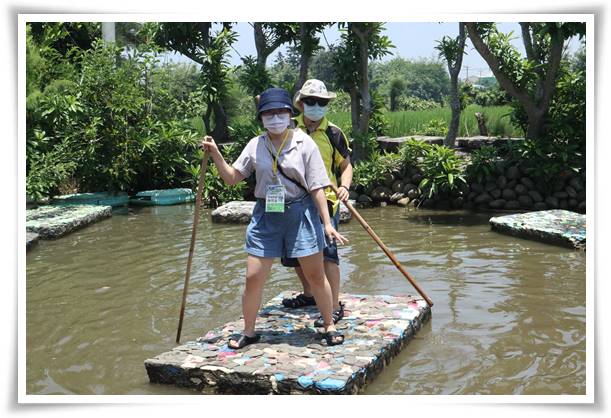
(276, 124)
(315, 112)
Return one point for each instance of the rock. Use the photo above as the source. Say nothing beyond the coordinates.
(388, 179)
(526, 181)
(413, 193)
(417, 178)
(496, 193)
(428, 204)
(381, 194)
(395, 197)
(353, 195)
(497, 204)
(561, 195)
(581, 195)
(513, 173)
(364, 200)
(458, 202)
(540, 206)
(525, 201)
(490, 186)
(558, 186)
(408, 187)
(398, 186)
(344, 213)
(582, 206)
(483, 198)
(476, 187)
(521, 189)
(383, 204)
(576, 184)
(471, 196)
(508, 194)
(535, 195)
(403, 202)
(563, 204)
(512, 205)
(573, 203)
(571, 192)
(443, 204)
(501, 181)
(234, 212)
(511, 184)
(552, 202)
(467, 205)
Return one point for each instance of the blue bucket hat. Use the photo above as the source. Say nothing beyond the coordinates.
(274, 98)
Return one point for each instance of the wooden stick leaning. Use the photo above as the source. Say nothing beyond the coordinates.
(384, 248)
(198, 203)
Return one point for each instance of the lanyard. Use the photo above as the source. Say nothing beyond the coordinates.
(275, 164)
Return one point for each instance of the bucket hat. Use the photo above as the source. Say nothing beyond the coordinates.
(274, 98)
(315, 88)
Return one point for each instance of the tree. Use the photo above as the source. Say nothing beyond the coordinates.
(396, 88)
(531, 81)
(308, 44)
(210, 51)
(360, 42)
(452, 50)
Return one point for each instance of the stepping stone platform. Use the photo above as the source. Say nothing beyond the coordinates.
(559, 227)
(31, 238)
(55, 221)
(290, 357)
(240, 212)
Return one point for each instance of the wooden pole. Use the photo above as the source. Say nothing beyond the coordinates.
(198, 203)
(385, 249)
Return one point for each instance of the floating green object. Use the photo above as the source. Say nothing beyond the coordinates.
(97, 198)
(162, 197)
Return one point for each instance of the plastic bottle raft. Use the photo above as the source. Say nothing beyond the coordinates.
(291, 357)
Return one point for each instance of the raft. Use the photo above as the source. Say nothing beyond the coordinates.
(162, 197)
(558, 227)
(290, 357)
(97, 198)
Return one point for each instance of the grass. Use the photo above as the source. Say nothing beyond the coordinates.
(413, 122)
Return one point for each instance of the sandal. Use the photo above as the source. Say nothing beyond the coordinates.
(299, 301)
(333, 338)
(337, 316)
(242, 340)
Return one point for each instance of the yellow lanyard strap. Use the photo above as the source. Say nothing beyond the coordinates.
(275, 164)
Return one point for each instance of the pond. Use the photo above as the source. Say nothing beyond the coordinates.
(509, 315)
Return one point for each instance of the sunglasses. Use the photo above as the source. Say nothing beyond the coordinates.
(311, 101)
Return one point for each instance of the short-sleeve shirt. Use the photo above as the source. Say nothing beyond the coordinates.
(299, 159)
(330, 158)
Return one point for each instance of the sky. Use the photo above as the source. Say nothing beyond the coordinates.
(412, 40)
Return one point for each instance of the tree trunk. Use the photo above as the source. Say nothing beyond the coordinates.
(481, 124)
(305, 57)
(365, 111)
(450, 139)
(220, 132)
(260, 45)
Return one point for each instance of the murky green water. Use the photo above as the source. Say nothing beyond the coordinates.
(509, 314)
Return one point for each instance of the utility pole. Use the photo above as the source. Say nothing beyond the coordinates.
(467, 69)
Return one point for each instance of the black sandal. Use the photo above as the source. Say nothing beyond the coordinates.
(242, 340)
(299, 301)
(337, 315)
(331, 337)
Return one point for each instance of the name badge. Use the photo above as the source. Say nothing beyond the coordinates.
(274, 198)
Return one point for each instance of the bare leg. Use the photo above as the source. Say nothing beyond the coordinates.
(257, 271)
(314, 273)
(332, 273)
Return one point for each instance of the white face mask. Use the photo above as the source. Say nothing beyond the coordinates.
(315, 112)
(276, 124)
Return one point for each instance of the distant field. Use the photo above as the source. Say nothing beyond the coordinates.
(412, 122)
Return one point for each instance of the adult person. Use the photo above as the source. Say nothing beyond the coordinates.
(290, 182)
(312, 100)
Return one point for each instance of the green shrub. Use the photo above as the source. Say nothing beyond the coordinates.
(369, 173)
(441, 170)
(412, 151)
(435, 127)
(482, 163)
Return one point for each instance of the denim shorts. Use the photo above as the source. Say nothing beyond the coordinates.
(330, 250)
(295, 233)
